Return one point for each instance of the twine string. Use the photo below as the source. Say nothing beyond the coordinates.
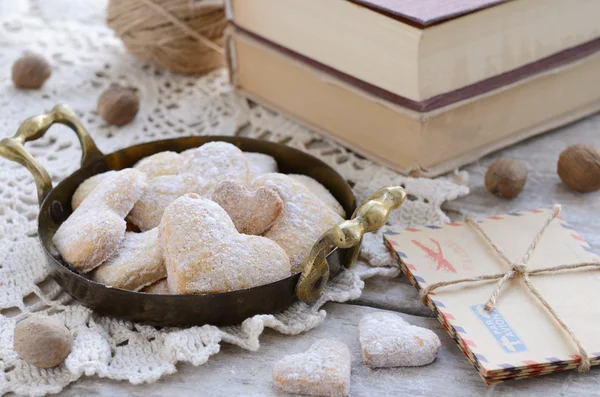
(520, 269)
(181, 25)
(184, 36)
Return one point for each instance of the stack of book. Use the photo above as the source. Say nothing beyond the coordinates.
(422, 86)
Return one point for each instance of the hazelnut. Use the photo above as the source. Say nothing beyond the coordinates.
(118, 105)
(42, 341)
(30, 71)
(506, 177)
(579, 168)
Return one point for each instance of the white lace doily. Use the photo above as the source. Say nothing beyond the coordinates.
(85, 59)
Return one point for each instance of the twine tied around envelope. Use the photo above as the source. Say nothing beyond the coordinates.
(520, 269)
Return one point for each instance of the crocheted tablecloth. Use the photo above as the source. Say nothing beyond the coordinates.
(86, 58)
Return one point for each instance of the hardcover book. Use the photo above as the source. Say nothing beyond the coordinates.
(425, 53)
(410, 141)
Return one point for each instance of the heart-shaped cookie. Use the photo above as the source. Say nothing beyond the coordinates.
(260, 163)
(161, 191)
(160, 287)
(97, 227)
(87, 187)
(321, 192)
(197, 170)
(216, 162)
(204, 252)
(303, 220)
(389, 341)
(324, 370)
(160, 164)
(252, 211)
(137, 262)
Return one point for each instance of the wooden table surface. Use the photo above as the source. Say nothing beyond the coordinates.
(236, 372)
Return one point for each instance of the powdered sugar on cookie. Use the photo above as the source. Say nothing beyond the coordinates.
(216, 162)
(204, 252)
(304, 219)
(97, 227)
(260, 163)
(160, 287)
(252, 211)
(389, 341)
(198, 170)
(324, 370)
(162, 191)
(161, 164)
(87, 187)
(321, 192)
(137, 262)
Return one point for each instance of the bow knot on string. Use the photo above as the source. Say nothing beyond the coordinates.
(520, 269)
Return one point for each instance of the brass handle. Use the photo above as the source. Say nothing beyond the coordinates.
(368, 217)
(35, 127)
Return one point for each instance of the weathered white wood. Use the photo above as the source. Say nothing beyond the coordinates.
(236, 372)
(395, 294)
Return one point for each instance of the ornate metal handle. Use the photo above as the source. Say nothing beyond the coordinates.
(35, 127)
(370, 216)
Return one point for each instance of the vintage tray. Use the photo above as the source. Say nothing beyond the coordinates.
(336, 248)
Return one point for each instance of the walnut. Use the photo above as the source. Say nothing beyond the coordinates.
(579, 168)
(506, 177)
(42, 341)
(30, 71)
(118, 105)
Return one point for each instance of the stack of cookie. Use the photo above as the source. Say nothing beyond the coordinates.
(209, 219)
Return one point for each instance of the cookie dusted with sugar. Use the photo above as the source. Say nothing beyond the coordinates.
(216, 162)
(205, 253)
(324, 370)
(97, 227)
(137, 262)
(160, 287)
(303, 220)
(86, 187)
(260, 163)
(160, 164)
(162, 191)
(321, 192)
(389, 341)
(200, 171)
(252, 211)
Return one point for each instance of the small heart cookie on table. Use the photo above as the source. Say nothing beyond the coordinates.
(389, 341)
(324, 370)
(252, 211)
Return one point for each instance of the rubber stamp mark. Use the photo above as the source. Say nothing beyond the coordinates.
(437, 255)
(500, 329)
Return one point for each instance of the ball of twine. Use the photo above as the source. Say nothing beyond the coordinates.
(184, 36)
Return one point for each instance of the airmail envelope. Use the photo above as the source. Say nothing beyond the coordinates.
(519, 338)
